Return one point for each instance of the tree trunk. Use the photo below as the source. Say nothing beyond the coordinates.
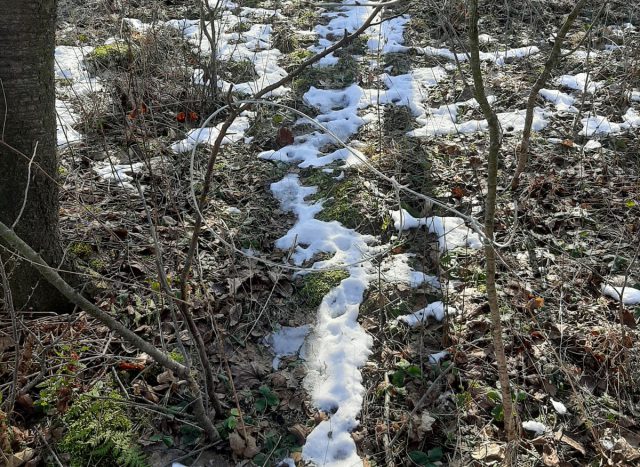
(495, 142)
(28, 130)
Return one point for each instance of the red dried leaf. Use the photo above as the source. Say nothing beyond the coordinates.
(285, 137)
(130, 366)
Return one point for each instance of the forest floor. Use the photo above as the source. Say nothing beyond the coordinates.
(370, 297)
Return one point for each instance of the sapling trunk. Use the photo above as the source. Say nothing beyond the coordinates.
(495, 141)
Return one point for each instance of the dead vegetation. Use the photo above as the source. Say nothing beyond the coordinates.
(575, 226)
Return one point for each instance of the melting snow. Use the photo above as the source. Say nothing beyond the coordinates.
(338, 346)
(630, 296)
(286, 341)
(599, 125)
(537, 427)
(579, 82)
(451, 231)
(208, 135)
(563, 102)
(435, 310)
(559, 407)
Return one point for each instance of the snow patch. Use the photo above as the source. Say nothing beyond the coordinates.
(451, 231)
(208, 135)
(579, 82)
(286, 341)
(435, 310)
(630, 296)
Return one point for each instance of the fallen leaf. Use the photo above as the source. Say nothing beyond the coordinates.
(550, 456)
(300, 432)
(458, 192)
(237, 444)
(628, 319)
(252, 449)
(20, 458)
(130, 366)
(560, 436)
(488, 452)
(284, 137)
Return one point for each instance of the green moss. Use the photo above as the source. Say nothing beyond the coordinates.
(109, 57)
(99, 432)
(317, 285)
(176, 356)
(81, 250)
(97, 264)
(340, 203)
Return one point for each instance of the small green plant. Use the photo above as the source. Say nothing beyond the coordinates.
(267, 398)
(56, 391)
(231, 422)
(275, 446)
(99, 432)
(316, 286)
(427, 459)
(404, 371)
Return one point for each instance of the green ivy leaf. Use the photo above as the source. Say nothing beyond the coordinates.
(397, 378)
(230, 423)
(421, 458)
(261, 405)
(435, 454)
(498, 413)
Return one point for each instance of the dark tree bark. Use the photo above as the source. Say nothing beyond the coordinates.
(28, 127)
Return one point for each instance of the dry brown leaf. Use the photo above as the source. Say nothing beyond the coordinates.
(166, 377)
(300, 432)
(488, 452)
(625, 453)
(20, 458)
(628, 319)
(560, 436)
(252, 449)
(237, 444)
(284, 137)
(550, 456)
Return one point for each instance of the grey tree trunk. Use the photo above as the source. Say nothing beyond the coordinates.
(27, 119)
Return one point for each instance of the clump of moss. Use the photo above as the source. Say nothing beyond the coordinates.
(110, 57)
(340, 206)
(317, 285)
(99, 432)
(81, 250)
